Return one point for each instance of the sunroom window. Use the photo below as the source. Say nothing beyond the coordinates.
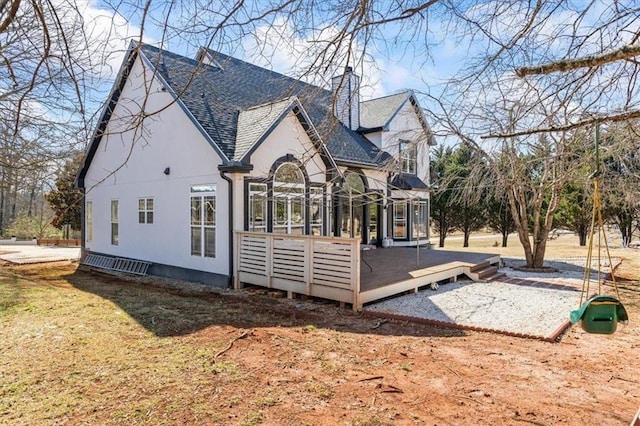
(316, 204)
(420, 221)
(400, 219)
(352, 205)
(288, 200)
(203, 220)
(257, 207)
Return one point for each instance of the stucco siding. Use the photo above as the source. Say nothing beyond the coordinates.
(406, 126)
(129, 164)
(288, 138)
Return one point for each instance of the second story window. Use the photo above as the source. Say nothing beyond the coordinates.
(408, 157)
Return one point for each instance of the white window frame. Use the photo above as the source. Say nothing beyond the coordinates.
(88, 216)
(408, 157)
(258, 196)
(420, 217)
(399, 220)
(203, 220)
(115, 225)
(289, 199)
(316, 210)
(145, 210)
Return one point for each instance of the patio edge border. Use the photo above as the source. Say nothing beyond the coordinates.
(552, 338)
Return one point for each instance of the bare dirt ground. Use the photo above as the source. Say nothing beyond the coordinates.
(85, 348)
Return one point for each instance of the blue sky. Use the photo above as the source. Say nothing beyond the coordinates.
(424, 56)
(384, 70)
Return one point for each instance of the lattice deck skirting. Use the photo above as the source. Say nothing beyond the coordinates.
(137, 267)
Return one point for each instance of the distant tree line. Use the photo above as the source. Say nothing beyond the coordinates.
(468, 196)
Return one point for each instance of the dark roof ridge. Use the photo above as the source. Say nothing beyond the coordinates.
(291, 98)
(408, 92)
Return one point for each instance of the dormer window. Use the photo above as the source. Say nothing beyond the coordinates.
(408, 157)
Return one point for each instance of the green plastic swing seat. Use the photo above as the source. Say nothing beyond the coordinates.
(600, 315)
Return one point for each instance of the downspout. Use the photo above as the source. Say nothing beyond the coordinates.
(224, 176)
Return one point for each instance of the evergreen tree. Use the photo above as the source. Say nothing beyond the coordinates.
(466, 203)
(66, 199)
(499, 217)
(575, 210)
(440, 209)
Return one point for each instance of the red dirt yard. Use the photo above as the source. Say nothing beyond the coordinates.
(85, 348)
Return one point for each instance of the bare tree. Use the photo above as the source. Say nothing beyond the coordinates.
(566, 63)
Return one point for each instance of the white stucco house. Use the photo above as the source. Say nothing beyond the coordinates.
(189, 151)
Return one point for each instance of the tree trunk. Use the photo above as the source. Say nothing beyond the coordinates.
(441, 238)
(538, 254)
(505, 237)
(466, 239)
(625, 232)
(582, 235)
(32, 198)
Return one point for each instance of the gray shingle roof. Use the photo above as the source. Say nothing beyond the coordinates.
(223, 98)
(408, 182)
(254, 122)
(377, 113)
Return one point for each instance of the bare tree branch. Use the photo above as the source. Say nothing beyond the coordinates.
(610, 118)
(625, 52)
(10, 16)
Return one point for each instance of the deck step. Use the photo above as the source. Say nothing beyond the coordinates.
(496, 277)
(487, 272)
(480, 266)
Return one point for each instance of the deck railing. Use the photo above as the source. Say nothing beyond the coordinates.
(325, 267)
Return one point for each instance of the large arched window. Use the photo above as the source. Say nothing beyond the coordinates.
(288, 199)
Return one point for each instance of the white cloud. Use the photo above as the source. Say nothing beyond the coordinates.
(279, 48)
(107, 34)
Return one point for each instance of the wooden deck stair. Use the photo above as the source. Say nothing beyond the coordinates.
(484, 271)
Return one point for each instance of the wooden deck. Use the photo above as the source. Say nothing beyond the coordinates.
(338, 269)
(387, 272)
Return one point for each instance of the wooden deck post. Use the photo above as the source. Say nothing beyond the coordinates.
(355, 274)
(236, 275)
(308, 263)
(269, 259)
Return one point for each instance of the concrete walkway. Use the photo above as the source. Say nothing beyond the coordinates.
(37, 254)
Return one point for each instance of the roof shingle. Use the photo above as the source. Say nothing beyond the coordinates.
(223, 99)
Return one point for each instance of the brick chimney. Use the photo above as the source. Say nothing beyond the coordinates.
(346, 102)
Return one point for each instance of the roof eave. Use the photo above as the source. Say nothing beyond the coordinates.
(365, 130)
(235, 167)
(363, 165)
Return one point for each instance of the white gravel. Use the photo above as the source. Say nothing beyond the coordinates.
(500, 306)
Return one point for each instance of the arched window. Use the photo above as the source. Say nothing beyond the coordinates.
(354, 184)
(288, 199)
